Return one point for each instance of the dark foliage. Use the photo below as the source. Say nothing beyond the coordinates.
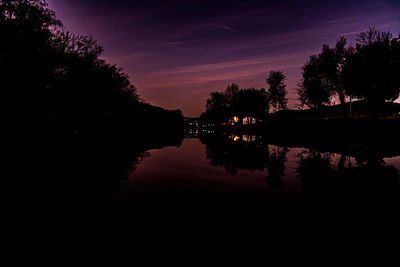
(80, 121)
(240, 154)
(234, 155)
(322, 75)
(369, 180)
(277, 90)
(369, 71)
(235, 102)
(57, 79)
(372, 71)
(276, 167)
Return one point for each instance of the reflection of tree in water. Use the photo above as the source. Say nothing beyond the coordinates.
(235, 155)
(322, 177)
(276, 166)
(135, 162)
(99, 170)
(137, 153)
(315, 169)
(370, 177)
(241, 155)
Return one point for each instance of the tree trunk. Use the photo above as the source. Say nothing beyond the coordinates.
(350, 107)
(342, 98)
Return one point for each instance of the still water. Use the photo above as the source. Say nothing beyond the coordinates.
(247, 167)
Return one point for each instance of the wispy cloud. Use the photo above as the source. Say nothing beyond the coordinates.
(173, 44)
(227, 28)
(341, 20)
(220, 72)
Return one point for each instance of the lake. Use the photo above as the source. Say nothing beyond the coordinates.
(245, 168)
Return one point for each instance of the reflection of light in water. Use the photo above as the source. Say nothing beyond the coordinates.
(249, 138)
(249, 120)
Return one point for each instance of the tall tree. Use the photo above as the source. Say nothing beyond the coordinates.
(217, 108)
(277, 89)
(313, 91)
(27, 57)
(322, 75)
(372, 71)
(332, 60)
(231, 93)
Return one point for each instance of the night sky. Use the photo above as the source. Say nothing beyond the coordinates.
(177, 52)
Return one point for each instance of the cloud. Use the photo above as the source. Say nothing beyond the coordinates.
(340, 20)
(173, 44)
(227, 28)
(200, 75)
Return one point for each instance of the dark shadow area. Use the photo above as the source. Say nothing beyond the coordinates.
(79, 129)
(369, 184)
(247, 152)
(359, 180)
(233, 154)
(84, 172)
(76, 123)
(276, 167)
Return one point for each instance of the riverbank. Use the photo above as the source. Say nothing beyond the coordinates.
(351, 121)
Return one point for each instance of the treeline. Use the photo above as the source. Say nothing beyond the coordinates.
(55, 78)
(367, 72)
(78, 123)
(247, 103)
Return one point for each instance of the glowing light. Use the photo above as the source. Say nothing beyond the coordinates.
(235, 119)
(236, 138)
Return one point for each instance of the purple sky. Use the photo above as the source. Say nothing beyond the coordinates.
(177, 52)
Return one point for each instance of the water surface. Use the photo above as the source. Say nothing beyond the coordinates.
(249, 168)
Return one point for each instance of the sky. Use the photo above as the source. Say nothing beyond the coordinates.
(177, 52)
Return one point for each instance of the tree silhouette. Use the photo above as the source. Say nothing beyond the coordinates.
(251, 102)
(372, 71)
(277, 89)
(217, 107)
(332, 60)
(231, 93)
(27, 57)
(322, 75)
(57, 78)
(368, 71)
(313, 91)
(241, 103)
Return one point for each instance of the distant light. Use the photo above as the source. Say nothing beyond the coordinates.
(235, 119)
(236, 138)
